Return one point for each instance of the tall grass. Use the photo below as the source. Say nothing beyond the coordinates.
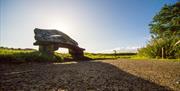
(161, 48)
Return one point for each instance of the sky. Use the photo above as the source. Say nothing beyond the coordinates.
(97, 25)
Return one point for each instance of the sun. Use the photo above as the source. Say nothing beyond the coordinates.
(62, 24)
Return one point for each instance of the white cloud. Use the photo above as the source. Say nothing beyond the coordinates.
(130, 49)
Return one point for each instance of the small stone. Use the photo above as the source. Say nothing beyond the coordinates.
(178, 82)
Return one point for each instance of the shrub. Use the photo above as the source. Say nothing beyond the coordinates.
(154, 48)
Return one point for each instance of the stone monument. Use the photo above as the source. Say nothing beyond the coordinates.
(49, 40)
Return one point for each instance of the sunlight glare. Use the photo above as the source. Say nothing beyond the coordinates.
(63, 24)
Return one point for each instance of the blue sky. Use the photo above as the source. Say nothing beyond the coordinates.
(97, 25)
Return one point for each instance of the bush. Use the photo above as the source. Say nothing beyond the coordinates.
(154, 48)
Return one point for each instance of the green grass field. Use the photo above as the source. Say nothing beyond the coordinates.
(110, 55)
(29, 55)
(23, 55)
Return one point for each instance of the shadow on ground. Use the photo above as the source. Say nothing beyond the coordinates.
(71, 76)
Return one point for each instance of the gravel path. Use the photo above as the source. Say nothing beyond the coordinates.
(101, 75)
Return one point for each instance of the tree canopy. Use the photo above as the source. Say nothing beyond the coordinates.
(165, 33)
(166, 22)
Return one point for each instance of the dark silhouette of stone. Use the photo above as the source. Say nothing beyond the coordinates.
(49, 40)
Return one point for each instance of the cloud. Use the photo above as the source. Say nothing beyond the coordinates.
(130, 49)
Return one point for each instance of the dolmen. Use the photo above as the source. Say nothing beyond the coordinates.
(49, 40)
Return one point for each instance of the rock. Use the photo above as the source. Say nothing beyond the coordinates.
(53, 36)
(50, 40)
(178, 82)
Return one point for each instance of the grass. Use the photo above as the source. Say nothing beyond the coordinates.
(137, 57)
(26, 55)
(29, 55)
(96, 56)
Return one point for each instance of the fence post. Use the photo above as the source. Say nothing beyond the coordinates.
(162, 53)
(115, 53)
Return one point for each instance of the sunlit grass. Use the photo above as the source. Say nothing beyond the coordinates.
(73, 62)
(137, 57)
(22, 55)
(26, 55)
(29, 55)
(110, 55)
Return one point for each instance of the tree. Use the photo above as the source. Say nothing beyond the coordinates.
(167, 22)
(165, 33)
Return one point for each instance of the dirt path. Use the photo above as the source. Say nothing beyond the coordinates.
(102, 75)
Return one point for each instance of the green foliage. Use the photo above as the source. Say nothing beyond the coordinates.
(96, 56)
(19, 55)
(165, 32)
(154, 48)
(167, 22)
